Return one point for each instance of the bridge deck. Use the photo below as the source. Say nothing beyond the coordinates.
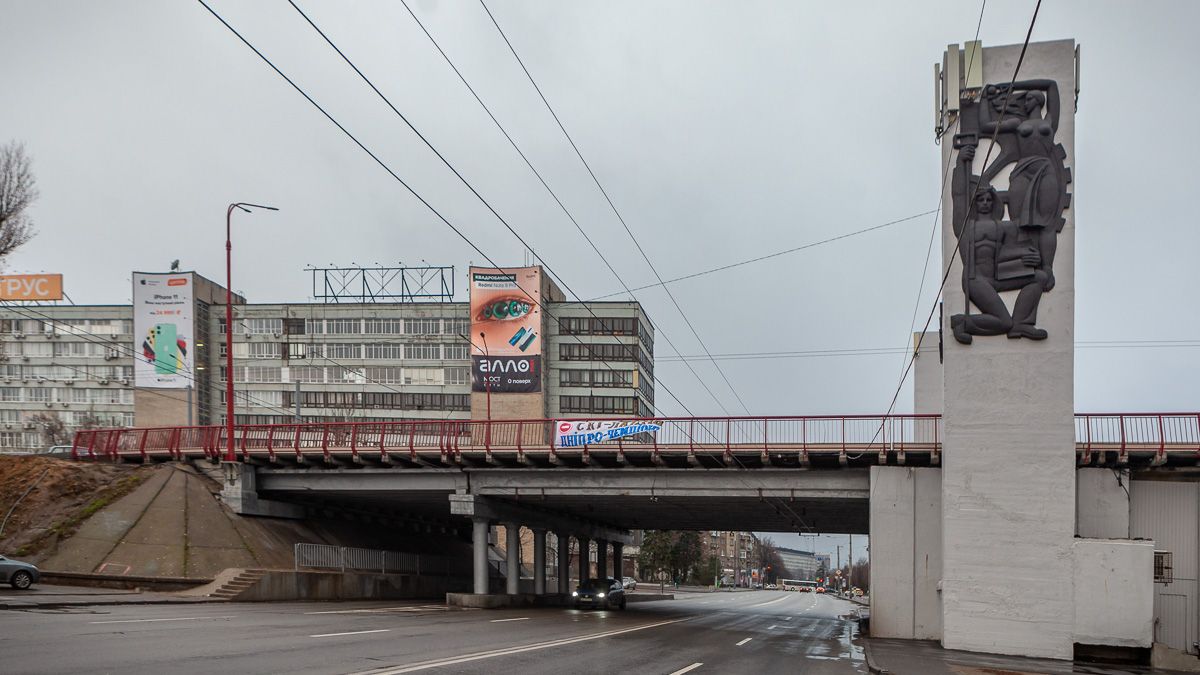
(727, 441)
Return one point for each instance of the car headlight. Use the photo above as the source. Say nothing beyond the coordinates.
(599, 595)
(574, 594)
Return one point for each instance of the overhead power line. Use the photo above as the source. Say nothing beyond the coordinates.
(637, 244)
(776, 254)
(458, 231)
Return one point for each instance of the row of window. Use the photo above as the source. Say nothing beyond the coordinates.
(596, 378)
(64, 349)
(105, 395)
(422, 326)
(452, 375)
(604, 352)
(67, 326)
(356, 400)
(16, 371)
(608, 405)
(598, 326)
(393, 351)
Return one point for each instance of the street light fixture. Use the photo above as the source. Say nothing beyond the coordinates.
(229, 454)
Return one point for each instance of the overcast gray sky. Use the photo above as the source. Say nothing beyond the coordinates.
(722, 131)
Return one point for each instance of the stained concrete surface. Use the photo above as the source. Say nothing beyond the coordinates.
(917, 657)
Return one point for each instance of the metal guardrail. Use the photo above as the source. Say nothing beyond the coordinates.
(350, 559)
(448, 440)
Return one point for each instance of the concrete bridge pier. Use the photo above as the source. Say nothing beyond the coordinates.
(564, 563)
(585, 554)
(479, 547)
(512, 556)
(539, 561)
(601, 558)
(618, 566)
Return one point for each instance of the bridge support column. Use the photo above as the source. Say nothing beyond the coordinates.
(512, 533)
(601, 558)
(585, 555)
(479, 547)
(539, 561)
(564, 563)
(618, 561)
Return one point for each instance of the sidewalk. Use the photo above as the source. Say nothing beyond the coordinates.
(51, 596)
(920, 657)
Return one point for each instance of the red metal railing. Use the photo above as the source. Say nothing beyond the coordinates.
(845, 436)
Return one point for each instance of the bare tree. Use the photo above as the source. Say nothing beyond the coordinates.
(54, 432)
(18, 190)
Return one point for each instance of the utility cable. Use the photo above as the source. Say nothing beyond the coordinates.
(613, 206)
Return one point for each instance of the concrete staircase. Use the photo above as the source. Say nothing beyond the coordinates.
(234, 587)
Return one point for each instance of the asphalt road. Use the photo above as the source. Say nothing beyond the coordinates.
(748, 632)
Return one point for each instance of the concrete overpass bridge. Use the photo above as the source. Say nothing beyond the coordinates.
(788, 474)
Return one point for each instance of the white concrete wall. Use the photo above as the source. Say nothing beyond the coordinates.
(1008, 477)
(905, 552)
(1102, 503)
(1114, 592)
(1168, 512)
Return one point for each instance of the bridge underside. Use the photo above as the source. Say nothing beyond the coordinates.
(622, 499)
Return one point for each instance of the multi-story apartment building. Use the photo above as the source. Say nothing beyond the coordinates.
(73, 363)
(325, 362)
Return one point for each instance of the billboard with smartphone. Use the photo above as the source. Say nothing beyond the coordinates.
(506, 326)
(163, 330)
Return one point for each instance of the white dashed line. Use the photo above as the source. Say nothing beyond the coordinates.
(180, 618)
(355, 632)
(689, 669)
(524, 618)
(772, 627)
(744, 642)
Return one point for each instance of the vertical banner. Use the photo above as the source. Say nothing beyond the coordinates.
(506, 324)
(163, 330)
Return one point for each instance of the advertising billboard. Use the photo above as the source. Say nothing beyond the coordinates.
(506, 326)
(578, 433)
(163, 330)
(31, 287)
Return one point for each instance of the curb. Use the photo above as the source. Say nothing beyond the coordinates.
(102, 603)
(872, 665)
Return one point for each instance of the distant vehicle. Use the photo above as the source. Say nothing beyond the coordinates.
(820, 589)
(605, 593)
(797, 585)
(629, 583)
(857, 592)
(21, 575)
(772, 587)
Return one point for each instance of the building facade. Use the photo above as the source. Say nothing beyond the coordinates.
(802, 565)
(317, 362)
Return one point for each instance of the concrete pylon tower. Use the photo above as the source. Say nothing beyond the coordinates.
(1008, 477)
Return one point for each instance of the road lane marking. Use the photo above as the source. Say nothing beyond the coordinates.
(178, 618)
(454, 660)
(787, 618)
(524, 618)
(376, 610)
(772, 627)
(353, 632)
(689, 669)
(771, 602)
(744, 642)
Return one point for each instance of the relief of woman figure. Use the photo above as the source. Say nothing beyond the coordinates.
(1037, 184)
(997, 256)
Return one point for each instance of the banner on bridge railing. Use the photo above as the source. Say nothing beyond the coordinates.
(578, 433)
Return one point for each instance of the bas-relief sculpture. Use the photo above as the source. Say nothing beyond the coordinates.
(1007, 239)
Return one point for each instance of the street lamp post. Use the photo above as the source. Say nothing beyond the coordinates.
(229, 454)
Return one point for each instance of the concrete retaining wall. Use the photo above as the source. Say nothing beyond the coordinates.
(906, 552)
(276, 585)
(123, 582)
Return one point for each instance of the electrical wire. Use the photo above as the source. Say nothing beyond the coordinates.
(408, 187)
(637, 244)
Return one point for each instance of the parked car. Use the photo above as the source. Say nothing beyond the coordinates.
(630, 583)
(605, 593)
(21, 575)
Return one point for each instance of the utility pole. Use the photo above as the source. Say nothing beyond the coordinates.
(850, 569)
